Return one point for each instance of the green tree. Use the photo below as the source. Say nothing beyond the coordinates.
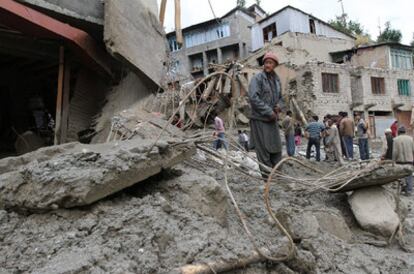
(354, 28)
(342, 23)
(241, 3)
(389, 34)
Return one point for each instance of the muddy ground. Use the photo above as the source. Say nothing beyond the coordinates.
(183, 216)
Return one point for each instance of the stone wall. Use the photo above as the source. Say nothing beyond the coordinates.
(355, 91)
(309, 81)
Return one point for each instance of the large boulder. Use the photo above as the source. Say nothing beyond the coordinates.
(374, 209)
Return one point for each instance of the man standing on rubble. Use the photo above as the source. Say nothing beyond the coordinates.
(314, 130)
(265, 96)
(219, 133)
(289, 128)
(362, 135)
(387, 144)
(334, 141)
(403, 154)
(347, 130)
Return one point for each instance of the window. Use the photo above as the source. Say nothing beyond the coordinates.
(404, 88)
(401, 59)
(269, 32)
(174, 46)
(207, 35)
(330, 83)
(312, 26)
(377, 85)
(175, 65)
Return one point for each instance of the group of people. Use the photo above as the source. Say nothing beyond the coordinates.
(337, 133)
(399, 147)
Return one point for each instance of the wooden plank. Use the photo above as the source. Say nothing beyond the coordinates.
(178, 31)
(227, 86)
(65, 103)
(163, 7)
(244, 85)
(59, 96)
(209, 89)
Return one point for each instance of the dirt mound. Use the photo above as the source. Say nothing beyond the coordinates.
(184, 217)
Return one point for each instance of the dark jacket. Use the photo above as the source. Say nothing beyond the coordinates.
(262, 98)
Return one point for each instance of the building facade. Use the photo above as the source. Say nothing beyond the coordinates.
(213, 42)
(383, 95)
(293, 20)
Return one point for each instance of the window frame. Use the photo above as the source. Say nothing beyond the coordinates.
(174, 46)
(401, 59)
(378, 82)
(312, 26)
(330, 83)
(271, 28)
(404, 84)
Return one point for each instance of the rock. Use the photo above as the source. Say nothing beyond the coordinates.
(303, 262)
(374, 210)
(334, 224)
(305, 226)
(78, 174)
(299, 225)
(200, 192)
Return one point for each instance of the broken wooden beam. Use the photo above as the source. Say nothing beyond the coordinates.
(163, 8)
(178, 30)
(207, 92)
(59, 96)
(221, 266)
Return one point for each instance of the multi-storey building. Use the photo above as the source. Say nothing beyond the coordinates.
(213, 42)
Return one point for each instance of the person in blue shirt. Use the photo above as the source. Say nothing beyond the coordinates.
(314, 131)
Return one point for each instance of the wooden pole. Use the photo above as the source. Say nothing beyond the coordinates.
(65, 103)
(162, 11)
(59, 95)
(221, 266)
(178, 31)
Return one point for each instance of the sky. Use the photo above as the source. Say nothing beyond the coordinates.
(370, 13)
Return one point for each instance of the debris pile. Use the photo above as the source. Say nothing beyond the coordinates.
(76, 174)
(195, 101)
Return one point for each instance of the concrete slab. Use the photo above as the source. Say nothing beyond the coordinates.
(132, 34)
(75, 174)
(88, 10)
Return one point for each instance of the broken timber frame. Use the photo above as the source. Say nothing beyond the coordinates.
(59, 96)
(62, 98)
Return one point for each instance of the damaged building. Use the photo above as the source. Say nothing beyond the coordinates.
(321, 67)
(213, 42)
(375, 80)
(60, 61)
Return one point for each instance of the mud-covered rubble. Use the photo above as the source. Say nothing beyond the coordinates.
(77, 174)
(182, 217)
